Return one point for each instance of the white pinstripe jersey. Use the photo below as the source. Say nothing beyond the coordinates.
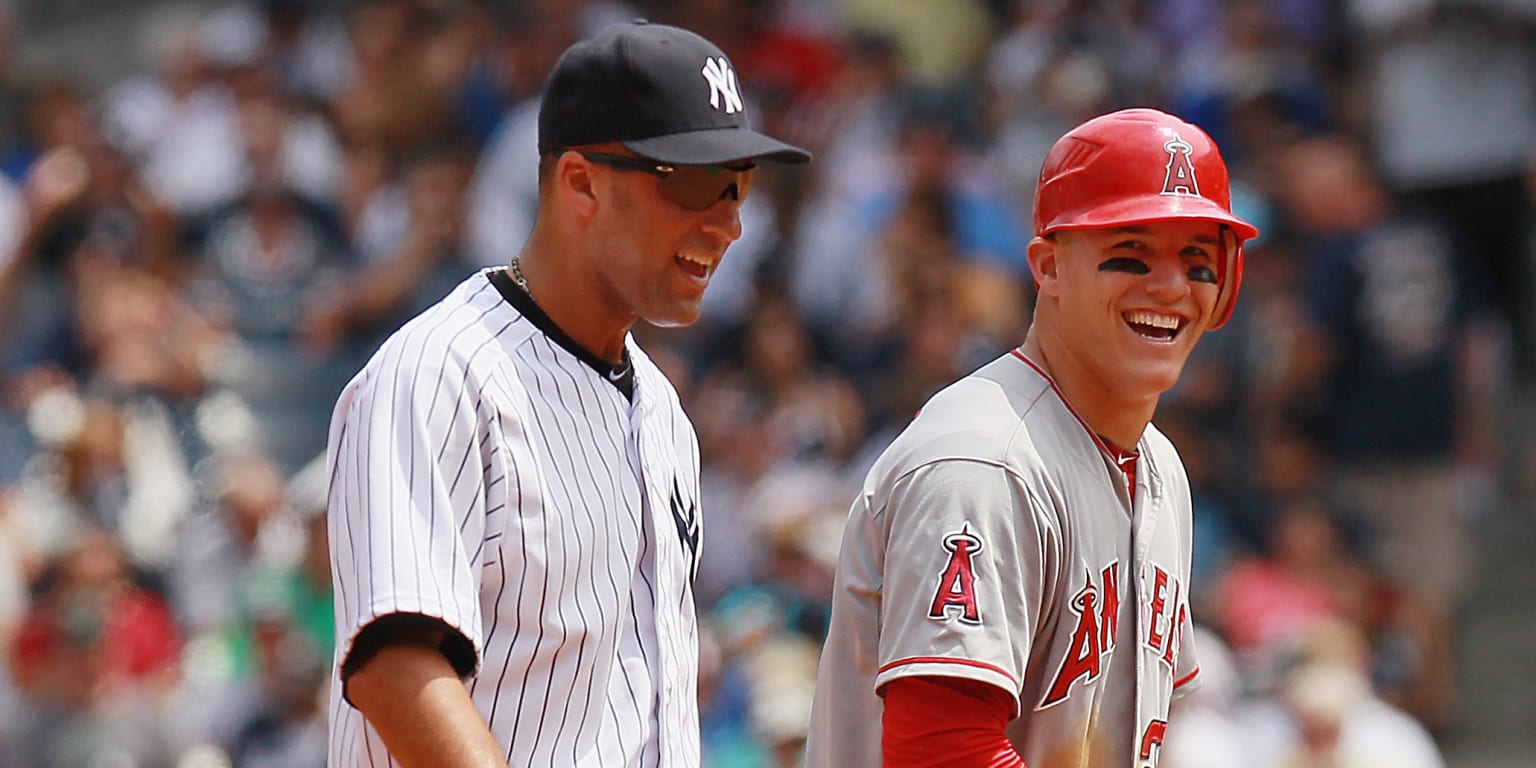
(996, 540)
(483, 474)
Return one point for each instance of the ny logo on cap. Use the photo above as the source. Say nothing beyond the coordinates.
(722, 85)
(1181, 170)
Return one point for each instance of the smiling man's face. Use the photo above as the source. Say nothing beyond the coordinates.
(657, 255)
(1133, 300)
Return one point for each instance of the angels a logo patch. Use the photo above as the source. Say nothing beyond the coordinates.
(956, 592)
(1180, 179)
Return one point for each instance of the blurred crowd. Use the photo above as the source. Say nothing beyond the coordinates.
(196, 257)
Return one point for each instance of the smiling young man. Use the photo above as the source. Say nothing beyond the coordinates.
(513, 484)
(1013, 582)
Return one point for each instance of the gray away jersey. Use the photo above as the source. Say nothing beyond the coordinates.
(995, 540)
(484, 475)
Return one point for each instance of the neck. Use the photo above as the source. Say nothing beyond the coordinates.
(569, 296)
(1113, 415)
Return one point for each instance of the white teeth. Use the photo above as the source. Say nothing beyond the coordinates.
(1167, 322)
(695, 260)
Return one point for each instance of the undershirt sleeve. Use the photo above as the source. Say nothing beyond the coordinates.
(946, 723)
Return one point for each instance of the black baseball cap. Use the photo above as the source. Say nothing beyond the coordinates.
(662, 92)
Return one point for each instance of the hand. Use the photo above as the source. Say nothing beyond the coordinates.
(57, 180)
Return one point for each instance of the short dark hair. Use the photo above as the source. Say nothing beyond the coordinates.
(547, 161)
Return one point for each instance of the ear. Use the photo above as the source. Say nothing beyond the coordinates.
(574, 183)
(1044, 257)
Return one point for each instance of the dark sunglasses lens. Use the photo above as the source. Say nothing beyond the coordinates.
(699, 187)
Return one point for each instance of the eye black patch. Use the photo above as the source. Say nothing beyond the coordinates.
(1202, 275)
(1122, 264)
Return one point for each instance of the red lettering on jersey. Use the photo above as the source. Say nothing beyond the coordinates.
(1155, 630)
(1175, 635)
(1153, 737)
(957, 586)
(1167, 613)
(1181, 170)
(1083, 658)
(1110, 622)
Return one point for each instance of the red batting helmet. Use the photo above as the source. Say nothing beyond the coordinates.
(1136, 166)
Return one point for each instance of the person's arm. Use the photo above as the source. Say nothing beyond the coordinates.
(414, 697)
(382, 287)
(54, 184)
(940, 722)
(414, 596)
(954, 642)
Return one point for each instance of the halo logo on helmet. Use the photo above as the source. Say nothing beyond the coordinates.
(1104, 173)
(1181, 172)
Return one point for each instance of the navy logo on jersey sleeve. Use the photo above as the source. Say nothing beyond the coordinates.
(685, 514)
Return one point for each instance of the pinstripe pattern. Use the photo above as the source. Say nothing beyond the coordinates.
(482, 474)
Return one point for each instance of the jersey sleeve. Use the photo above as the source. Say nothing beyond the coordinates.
(965, 572)
(1186, 662)
(1186, 665)
(406, 499)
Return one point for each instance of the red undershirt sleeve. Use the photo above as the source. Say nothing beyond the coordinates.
(932, 722)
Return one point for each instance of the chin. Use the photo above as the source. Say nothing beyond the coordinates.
(677, 317)
(1152, 380)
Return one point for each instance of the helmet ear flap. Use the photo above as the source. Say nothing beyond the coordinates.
(1229, 280)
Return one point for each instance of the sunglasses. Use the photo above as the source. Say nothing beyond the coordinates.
(695, 187)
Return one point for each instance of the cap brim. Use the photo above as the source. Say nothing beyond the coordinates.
(717, 146)
(1149, 208)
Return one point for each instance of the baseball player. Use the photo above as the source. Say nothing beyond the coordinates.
(514, 487)
(1013, 583)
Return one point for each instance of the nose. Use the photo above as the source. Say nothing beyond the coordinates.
(723, 219)
(1169, 280)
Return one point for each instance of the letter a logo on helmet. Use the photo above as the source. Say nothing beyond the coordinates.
(1181, 172)
(1138, 166)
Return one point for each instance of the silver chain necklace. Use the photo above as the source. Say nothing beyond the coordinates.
(522, 282)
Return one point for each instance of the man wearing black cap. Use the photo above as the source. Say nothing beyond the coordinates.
(514, 516)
